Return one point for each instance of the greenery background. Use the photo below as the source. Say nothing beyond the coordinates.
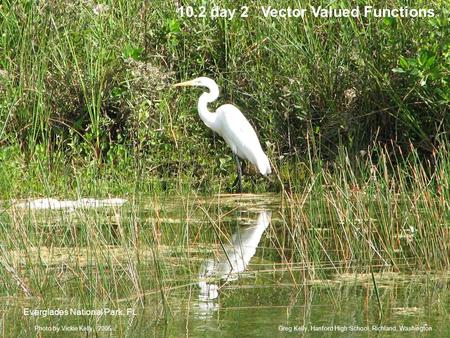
(354, 115)
(85, 93)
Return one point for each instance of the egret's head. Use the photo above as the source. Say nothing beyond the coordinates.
(198, 82)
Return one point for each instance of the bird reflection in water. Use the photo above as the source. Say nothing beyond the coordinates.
(229, 265)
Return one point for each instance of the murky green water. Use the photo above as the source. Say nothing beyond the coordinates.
(233, 266)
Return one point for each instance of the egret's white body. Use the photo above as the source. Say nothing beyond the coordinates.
(238, 133)
(231, 124)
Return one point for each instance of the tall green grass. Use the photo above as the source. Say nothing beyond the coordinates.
(378, 212)
(86, 86)
(356, 215)
(354, 115)
(352, 217)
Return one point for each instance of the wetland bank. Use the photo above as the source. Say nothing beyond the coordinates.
(115, 196)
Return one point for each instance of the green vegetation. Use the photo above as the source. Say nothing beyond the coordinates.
(85, 92)
(353, 113)
(147, 256)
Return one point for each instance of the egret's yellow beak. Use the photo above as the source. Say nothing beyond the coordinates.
(184, 84)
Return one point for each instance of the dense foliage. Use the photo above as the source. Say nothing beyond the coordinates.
(85, 87)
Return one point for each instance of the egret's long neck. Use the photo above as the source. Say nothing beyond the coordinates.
(207, 117)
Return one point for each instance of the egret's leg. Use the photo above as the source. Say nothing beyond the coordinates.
(239, 177)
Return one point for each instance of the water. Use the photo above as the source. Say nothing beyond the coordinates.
(229, 266)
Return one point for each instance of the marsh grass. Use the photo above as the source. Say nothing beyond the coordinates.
(360, 152)
(352, 216)
(377, 214)
(85, 91)
(148, 253)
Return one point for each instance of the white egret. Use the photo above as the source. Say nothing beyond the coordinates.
(231, 124)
